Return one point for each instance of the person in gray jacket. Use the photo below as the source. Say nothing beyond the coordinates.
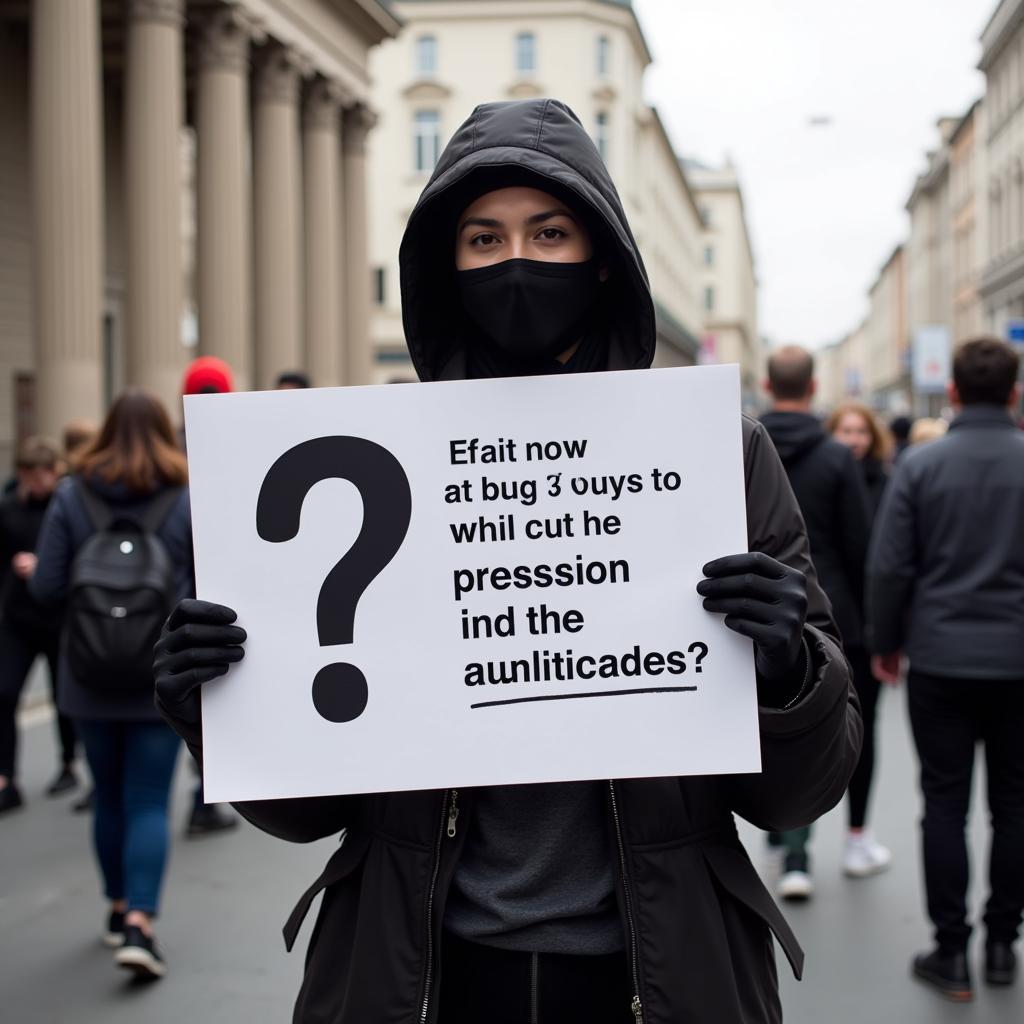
(946, 585)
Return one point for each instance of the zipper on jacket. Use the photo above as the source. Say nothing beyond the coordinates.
(453, 813)
(534, 986)
(428, 977)
(636, 1007)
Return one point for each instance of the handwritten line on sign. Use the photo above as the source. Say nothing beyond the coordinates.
(574, 696)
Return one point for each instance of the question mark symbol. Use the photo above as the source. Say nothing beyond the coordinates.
(340, 692)
(703, 648)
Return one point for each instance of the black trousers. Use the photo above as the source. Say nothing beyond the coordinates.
(19, 648)
(868, 688)
(949, 717)
(480, 985)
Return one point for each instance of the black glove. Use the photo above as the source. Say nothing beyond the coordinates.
(197, 644)
(765, 600)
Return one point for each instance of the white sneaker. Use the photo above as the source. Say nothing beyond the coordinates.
(864, 857)
(796, 885)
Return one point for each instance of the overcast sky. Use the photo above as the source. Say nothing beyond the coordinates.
(824, 205)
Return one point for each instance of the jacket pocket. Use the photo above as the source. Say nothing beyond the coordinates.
(734, 872)
(341, 864)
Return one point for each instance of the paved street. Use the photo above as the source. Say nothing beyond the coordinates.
(228, 896)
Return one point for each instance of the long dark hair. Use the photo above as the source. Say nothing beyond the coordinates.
(136, 446)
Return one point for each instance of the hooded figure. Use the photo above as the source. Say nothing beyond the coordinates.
(629, 901)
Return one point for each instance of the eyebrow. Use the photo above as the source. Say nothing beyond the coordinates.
(537, 218)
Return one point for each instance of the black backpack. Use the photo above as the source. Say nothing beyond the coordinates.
(122, 589)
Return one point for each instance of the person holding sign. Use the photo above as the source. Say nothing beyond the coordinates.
(620, 901)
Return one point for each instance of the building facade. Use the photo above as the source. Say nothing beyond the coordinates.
(153, 148)
(591, 54)
(1002, 187)
(886, 370)
(965, 172)
(728, 283)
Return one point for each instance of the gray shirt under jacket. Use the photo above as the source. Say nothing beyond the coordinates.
(537, 873)
(946, 567)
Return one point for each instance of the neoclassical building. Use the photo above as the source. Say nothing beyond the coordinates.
(180, 177)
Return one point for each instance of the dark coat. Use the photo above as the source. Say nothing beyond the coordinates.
(876, 479)
(20, 523)
(946, 571)
(66, 528)
(697, 919)
(830, 491)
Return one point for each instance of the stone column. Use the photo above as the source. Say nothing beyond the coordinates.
(153, 115)
(277, 215)
(359, 354)
(224, 200)
(67, 206)
(321, 164)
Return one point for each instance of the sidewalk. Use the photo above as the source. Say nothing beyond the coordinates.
(228, 895)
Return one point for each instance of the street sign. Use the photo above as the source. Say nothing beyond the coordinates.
(931, 359)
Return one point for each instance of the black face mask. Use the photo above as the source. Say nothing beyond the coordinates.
(530, 308)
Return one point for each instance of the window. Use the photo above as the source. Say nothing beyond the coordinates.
(601, 135)
(604, 54)
(709, 298)
(709, 256)
(426, 139)
(380, 285)
(426, 56)
(526, 53)
(705, 215)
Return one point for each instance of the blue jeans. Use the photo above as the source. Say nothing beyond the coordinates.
(132, 764)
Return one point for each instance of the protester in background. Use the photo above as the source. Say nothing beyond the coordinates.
(856, 426)
(900, 427)
(133, 473)
(830, 491)
(926, 430)
(292, 380)
(518, 259)
(946, 585)
(207, 375)
(27, 630)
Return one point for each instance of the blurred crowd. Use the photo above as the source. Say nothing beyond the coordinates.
(95, 547)
(917, 537)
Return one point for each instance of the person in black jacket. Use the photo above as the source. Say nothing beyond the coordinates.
(27, 630)
(604, 901)
(830, 491)
(133, 470)
(870, 443)
(946, 585)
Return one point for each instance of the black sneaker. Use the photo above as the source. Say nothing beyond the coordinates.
(10, 798)
(207, 819)
(139, 954)
(114, 935)
(1000, 963)
(67, 779)
(946, 971)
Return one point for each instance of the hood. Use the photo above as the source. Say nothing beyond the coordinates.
(794, 434)
(539, 143)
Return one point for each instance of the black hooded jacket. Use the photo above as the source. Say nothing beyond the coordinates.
(830, 489)
(698, 920)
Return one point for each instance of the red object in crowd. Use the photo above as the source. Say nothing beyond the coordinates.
(207, 374)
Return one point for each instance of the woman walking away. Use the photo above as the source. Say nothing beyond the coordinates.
(855, 426)
(27, 629)
(116, 546)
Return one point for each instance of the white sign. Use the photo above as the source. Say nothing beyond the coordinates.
(472, 583)
(931, 359)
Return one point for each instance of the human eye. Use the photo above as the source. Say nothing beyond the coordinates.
(484, 240)
(552, 234)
